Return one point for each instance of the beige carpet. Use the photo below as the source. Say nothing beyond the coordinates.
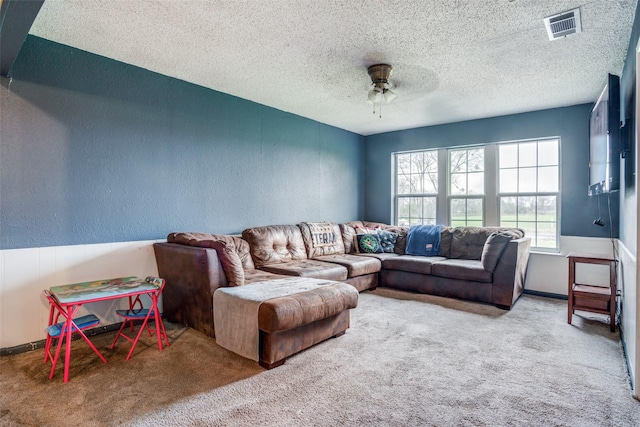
(406, 360)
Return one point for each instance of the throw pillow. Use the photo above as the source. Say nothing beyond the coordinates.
(231, 262)
(387, 240)
(322, 234)
(493, 249)
(360, 229)
(369, 243)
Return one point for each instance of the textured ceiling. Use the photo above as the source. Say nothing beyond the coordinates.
(453, 60)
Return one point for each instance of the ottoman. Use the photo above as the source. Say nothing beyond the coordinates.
(272, 320)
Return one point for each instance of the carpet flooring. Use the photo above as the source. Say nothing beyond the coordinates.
(407, 360)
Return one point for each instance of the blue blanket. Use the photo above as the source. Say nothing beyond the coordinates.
(424, 240)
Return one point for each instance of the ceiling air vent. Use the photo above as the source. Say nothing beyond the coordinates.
(563, 24)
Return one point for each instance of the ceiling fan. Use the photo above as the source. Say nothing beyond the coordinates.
(380, 89)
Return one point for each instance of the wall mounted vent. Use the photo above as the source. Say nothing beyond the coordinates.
(563, 24)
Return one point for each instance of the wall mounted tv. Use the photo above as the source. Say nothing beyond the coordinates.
(604, 140)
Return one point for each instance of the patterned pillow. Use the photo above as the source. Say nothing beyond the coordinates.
(369, 244)
(387, 240)
(366, 230)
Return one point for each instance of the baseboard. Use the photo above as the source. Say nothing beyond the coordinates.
(36, 345)
(545, 294)
(626, 357)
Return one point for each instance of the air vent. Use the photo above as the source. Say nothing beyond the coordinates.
(563, 24)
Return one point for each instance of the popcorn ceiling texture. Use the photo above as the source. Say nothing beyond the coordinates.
(453, 60)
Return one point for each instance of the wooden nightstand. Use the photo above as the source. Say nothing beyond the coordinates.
(596, 299)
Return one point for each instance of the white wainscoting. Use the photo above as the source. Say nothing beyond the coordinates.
(24, 273)
(630, 315)
(549, 272)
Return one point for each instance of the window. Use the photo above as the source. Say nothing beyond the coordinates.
(466, 187)
(514, 184)
(528, 189)
(416, 187)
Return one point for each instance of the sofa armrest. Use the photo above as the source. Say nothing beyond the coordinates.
(192, 275)
(509, 275)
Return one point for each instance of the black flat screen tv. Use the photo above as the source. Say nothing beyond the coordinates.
(604, 140)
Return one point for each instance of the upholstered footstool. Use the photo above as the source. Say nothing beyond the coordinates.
(272, 320)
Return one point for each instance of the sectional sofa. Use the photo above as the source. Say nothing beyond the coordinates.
(484, 264)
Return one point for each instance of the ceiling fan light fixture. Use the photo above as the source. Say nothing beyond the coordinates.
(389, 95)
(380, 86)
(374, 96)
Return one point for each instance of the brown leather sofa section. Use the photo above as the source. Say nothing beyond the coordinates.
(463, 269)
(355, 265)
(275, 244)
(412, 263)
(192, 275)
(277, 346)
(292, 311)
(309, 268)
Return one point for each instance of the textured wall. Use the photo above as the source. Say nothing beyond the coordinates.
(571, 124)
(94, 150)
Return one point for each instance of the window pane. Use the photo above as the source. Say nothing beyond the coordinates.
(526, 209)
(508, 210)
(403, 184)
(508, 155)
(547, 208)
(458, 184)
(458, 161)
(527, 180)
(458, 211)
(546, 237)
(475, 160)
(474, 210)
(508, 180)
(476, 183)
(548, 179)
(429, 211)
(430, 183)
(548, 153)
(415, 210)
(527, 154)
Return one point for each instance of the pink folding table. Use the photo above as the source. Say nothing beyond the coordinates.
(70, 298)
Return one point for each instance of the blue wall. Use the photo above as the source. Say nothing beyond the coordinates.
(93, 150)
(571, 124)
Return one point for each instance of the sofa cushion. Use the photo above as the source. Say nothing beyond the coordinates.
(275, 244)
(462, 269)
(411, 263)
(308, 268)
(446, 236)
(253, 276)
(381, 256)
(468, 242)
(321, 238)
(203, 240)
(356, 265)
(291, 311)
(493, 249)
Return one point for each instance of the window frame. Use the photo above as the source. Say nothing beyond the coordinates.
(491, 198)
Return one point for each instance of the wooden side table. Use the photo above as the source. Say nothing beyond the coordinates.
(596, 299)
